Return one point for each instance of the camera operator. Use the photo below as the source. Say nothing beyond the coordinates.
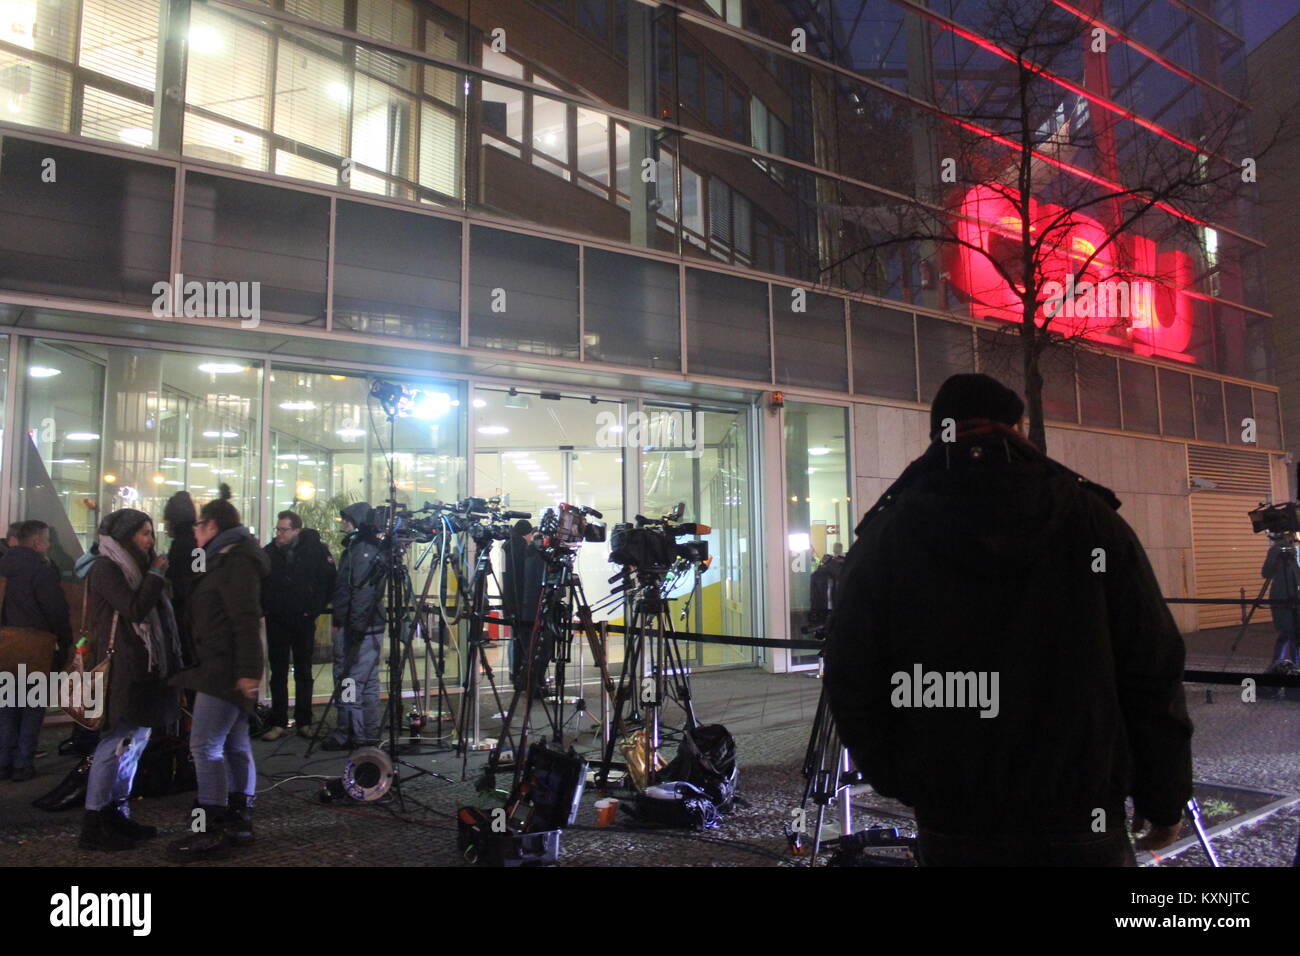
(521, 586)
(980, 562)
(358, 631)
(1281, 567)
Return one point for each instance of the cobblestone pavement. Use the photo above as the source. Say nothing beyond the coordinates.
(1237, 744)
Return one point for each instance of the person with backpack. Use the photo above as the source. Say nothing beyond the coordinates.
(1000, 657)
(131, 619)
(225, 611)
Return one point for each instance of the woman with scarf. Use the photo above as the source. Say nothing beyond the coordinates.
(225, 612)
(130, 612)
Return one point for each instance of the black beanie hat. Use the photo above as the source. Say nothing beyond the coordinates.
(179, 509)
(122, 525)
(968, 396)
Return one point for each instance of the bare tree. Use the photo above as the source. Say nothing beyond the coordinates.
(1059, 210)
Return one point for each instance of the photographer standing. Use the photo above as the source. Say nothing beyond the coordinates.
(295, 593)
(226, 624)
(358, 631)
(1008, 588)
(1280, 565)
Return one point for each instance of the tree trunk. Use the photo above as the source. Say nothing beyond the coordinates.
(1031, 352)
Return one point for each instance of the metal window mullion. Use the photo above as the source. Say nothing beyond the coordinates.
(329, 265)
(178, 227)
(848, 341)
(771, 336)
(13, 396)
(265, 460)
(582, 303)
(681, 314)
(464, 283)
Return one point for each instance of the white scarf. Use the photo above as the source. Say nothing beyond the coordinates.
(150, 630)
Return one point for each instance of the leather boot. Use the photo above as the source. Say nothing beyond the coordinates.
(210, 843)
(120, 820)
(239, 820)
(71, 791)
(98, 834)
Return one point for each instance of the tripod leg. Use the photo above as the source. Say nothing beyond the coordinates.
(1194, 811)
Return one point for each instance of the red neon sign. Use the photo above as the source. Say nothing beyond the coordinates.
(1103, 302)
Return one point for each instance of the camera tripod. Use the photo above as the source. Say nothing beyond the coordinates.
(551, 641)
(650, 646)
(477, 643)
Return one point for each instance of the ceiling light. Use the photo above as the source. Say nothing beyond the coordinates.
(493, 430)
(819, 450)
(298, 406)
(68, 461)
(290, 457)
(221, 368)
(213, 433)
(175, 461)
(81, 436)
(43, 371)
(199, 464)
(480, 403)
(351, 432)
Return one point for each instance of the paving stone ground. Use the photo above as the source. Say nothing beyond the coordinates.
(1237, 744)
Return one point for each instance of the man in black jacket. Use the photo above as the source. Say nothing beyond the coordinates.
(358, 620)
(294, 595)
(33, 598)
(1001, 658)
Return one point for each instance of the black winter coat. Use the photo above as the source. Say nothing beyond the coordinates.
(226, 623)
(521, 578)
(301, 582)
(181, 573)
(34, 597)
(985, 564)
(359, 586)
(134, 693)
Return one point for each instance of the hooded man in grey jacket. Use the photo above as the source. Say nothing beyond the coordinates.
(358, 631)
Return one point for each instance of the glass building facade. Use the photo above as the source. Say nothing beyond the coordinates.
(515, 204)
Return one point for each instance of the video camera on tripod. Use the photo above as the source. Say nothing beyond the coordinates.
(569, 527)
(651, 543)
(1280, 521)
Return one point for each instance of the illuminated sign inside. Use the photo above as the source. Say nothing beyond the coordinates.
(1103, 302)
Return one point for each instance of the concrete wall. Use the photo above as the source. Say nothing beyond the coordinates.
(1149, 476)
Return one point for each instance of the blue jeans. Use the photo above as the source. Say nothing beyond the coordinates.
(19, 728)
(223, 756)
(358, 702)
(112, 768)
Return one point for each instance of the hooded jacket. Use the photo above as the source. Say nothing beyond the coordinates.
(358, 588)
(301, 582)
(225, 610)
(984, 559)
